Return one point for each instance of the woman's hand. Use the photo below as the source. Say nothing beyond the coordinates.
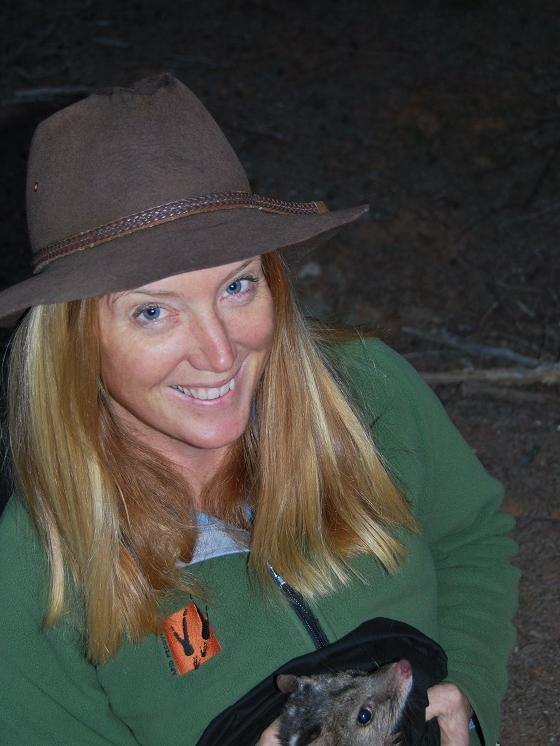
(268, 737)
(453, 711)
(446, 702)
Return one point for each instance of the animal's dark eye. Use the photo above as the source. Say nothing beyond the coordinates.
(364, 716)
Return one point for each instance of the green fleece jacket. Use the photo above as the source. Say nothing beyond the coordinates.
(456, 586)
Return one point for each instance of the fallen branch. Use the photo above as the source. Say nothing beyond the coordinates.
(474, 348)
(536, 519)
(553, 207)
(50, 92)
(547, 373)
(544, 172)
(478, 388)
(266, 132)
(107, 41)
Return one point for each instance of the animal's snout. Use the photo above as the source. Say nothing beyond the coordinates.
(404, 669)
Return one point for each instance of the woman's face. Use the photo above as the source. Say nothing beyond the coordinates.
(181, 357)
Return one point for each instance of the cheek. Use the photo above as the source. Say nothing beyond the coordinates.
(260, 338)
(125, 368)
(258, 333)
(116, 369)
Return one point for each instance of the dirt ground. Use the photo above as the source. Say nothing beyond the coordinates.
(445, 118)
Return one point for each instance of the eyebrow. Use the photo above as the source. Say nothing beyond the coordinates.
(168, 293)
(241, 267)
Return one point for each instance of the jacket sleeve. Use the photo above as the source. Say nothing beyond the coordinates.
(49, 692)
(471, 549)
(457, 504)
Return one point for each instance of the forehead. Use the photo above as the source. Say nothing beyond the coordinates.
(188, 283)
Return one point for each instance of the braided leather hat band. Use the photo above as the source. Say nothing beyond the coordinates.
(163, 214)
(134, 184)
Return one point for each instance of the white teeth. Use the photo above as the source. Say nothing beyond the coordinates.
(205, 394)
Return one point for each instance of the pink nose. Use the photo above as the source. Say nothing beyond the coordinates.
(404, 668)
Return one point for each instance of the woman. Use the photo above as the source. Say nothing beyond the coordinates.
(170, 410)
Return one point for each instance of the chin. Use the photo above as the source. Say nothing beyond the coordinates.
(213, 441)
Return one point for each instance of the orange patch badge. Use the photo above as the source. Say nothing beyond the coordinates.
(190, 638)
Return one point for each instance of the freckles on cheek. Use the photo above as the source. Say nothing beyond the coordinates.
(120, 366)
(135, 365)
(114, 371)
(259, 333)
(261, 337)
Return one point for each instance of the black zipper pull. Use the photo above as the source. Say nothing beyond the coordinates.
(304, 613)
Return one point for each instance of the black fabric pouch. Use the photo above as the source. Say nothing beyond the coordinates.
(369, 646)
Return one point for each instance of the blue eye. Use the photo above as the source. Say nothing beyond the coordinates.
(234, 287)
(148, 313)
(240, 286)
(364, 716)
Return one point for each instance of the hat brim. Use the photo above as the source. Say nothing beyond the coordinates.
(182, 245)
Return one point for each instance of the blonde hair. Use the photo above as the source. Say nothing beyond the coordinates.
(319, 488)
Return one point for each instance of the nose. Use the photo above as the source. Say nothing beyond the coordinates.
(210, 344)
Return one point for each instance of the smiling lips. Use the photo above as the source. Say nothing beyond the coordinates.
(206, 393)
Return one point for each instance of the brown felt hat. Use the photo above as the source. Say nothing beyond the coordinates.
(130, 185)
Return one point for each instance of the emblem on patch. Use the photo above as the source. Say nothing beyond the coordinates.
(190, 638)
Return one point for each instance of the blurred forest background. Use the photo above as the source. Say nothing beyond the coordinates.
(444, 116)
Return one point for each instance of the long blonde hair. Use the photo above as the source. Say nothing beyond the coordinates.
(319, 488)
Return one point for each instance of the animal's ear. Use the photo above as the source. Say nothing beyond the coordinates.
(287, 682)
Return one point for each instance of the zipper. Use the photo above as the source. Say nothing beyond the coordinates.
(302, 610)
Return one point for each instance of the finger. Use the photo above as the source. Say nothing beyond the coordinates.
(448, 700)
(431, 712)
(269, 737)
